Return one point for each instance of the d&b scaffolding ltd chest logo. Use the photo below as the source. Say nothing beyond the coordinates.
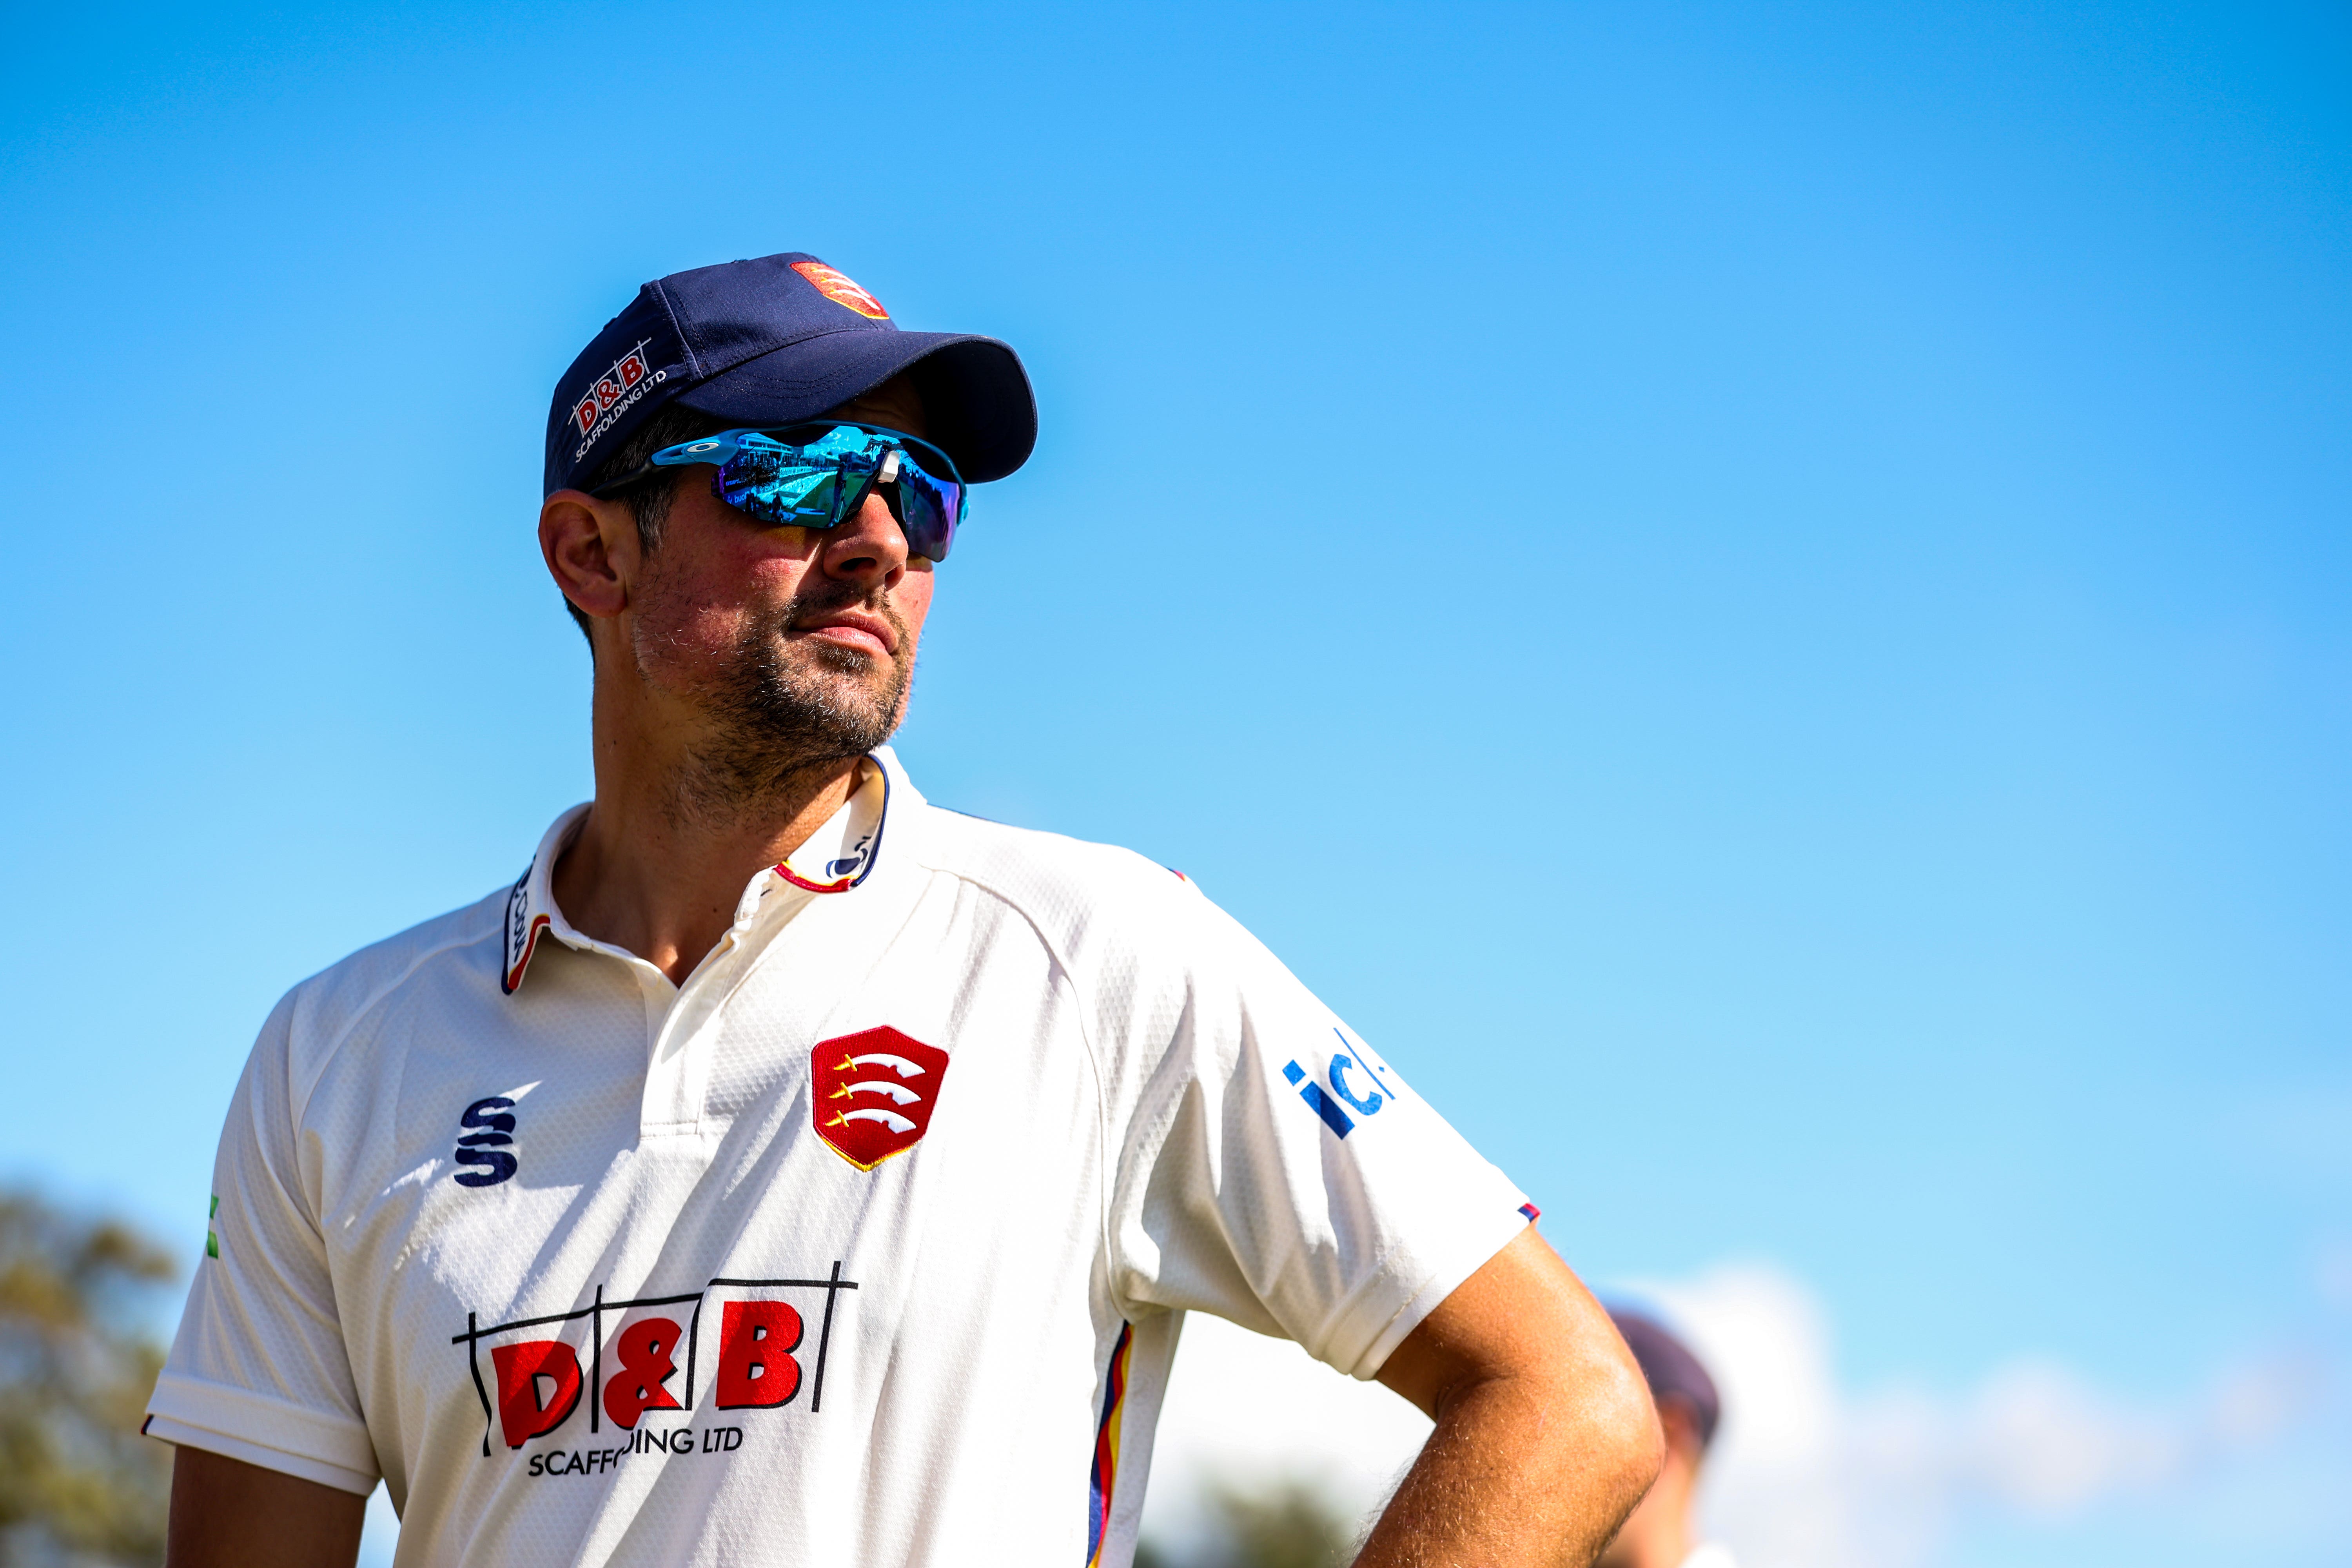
(753, 1355)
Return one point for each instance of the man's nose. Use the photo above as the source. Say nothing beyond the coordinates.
(868, 547)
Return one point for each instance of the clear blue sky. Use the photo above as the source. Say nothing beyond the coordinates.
(1757, 594)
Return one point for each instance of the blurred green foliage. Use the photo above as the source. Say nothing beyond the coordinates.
(1285, 1524)
(77, 1480)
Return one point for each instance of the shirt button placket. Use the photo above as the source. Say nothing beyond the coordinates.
(665, 1008)
(681, 1039)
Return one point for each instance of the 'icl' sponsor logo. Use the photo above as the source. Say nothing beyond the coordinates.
(1366, 1097)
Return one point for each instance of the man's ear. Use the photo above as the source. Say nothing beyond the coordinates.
(1680, 1429)
(591, 549)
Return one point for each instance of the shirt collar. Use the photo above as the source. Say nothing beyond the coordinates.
(837, 858)
(837, 855)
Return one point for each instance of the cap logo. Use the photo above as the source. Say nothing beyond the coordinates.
(837, 288)
(611, 393)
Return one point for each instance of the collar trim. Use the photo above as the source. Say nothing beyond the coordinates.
(531, 903)
(862, 862)
(524, 927)
(531, 914)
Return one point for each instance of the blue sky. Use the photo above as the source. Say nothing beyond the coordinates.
(1756, 594)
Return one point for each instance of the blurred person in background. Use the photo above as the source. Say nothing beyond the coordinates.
(1661, 1534)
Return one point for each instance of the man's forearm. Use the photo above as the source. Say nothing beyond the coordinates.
(226, 1513)
(1515, 1473)
(1545, 1436)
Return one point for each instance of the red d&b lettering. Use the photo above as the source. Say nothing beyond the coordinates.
(522, 1415)
(755, 1365)
(643, 1351)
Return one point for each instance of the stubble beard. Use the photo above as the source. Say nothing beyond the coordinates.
(784, 712)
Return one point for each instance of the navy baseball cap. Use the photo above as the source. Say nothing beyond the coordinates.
(774, 341)
(1672, 1372)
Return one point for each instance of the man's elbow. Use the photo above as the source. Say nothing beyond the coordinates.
(1622, 1445)
(1641, 1446)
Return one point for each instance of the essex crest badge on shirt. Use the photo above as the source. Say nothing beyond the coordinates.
(871, 1093)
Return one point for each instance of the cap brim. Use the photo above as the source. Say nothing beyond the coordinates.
(976, 396)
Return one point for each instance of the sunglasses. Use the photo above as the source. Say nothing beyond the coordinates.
(818, 475)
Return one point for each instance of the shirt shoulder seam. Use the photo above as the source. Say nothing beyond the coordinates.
(376, 999)
(1068, 974)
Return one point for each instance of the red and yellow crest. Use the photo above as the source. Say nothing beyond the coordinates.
(836, 287)
(871, 1093)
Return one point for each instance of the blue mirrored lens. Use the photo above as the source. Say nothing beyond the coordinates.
(814, 477)
(812, 485)
(929, 507)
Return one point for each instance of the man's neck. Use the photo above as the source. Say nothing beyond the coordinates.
(1658, 1535)
(664, 883)
(1666, 1544)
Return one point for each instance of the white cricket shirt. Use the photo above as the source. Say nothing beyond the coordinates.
(869, 1245)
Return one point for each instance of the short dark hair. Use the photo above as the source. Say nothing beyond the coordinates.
(1672, 1372)
(649, 498)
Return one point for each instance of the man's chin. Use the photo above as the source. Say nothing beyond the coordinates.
(822, 654)
(859, 699)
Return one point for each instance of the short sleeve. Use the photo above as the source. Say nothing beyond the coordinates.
(1276, 1171)
(259, 1370)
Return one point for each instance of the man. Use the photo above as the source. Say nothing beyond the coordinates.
(1660, 1533)
(785, 1170)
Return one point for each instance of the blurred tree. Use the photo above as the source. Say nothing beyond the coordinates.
(1286, 1523)
(77, 1483)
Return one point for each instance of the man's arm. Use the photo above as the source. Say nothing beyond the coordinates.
(1545, 1436)
(226, 1513)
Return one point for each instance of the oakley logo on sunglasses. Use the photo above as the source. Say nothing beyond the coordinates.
(616, 389)
(836, 287)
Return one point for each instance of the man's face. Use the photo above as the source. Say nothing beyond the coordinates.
(796, 645)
